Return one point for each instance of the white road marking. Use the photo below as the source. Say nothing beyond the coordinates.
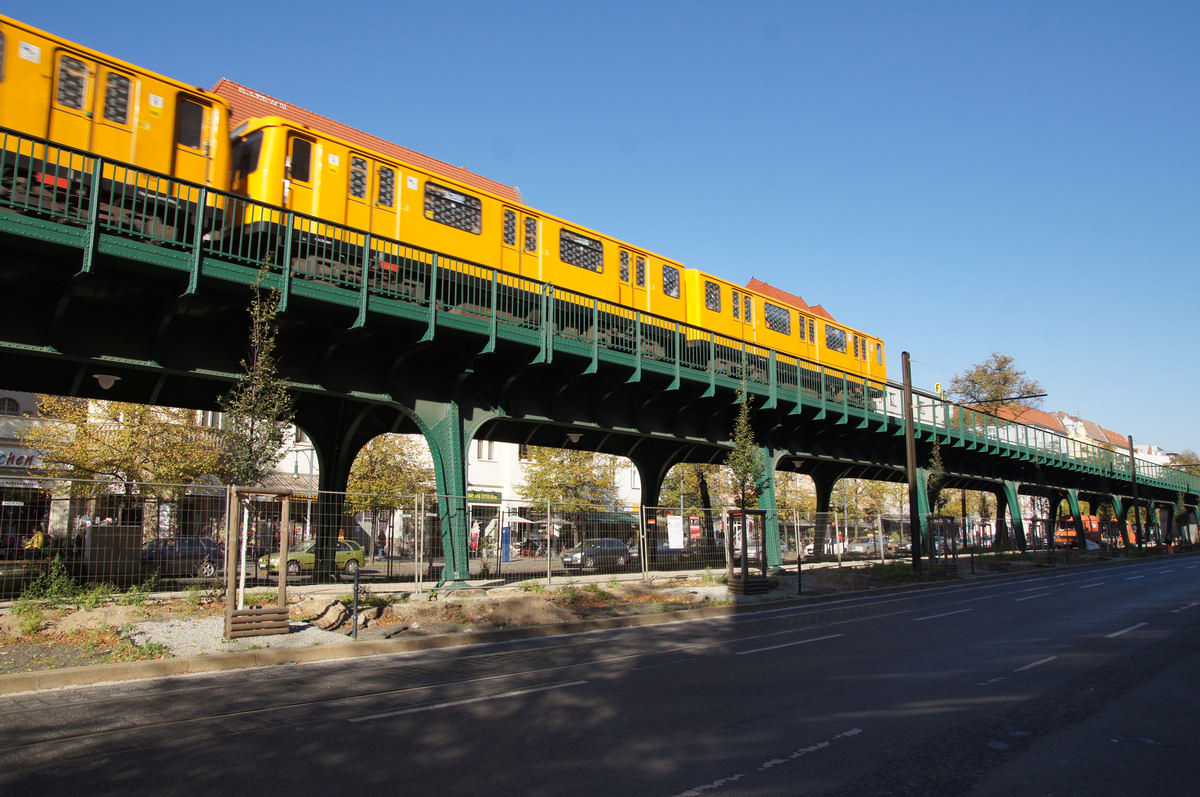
(1116, 634)
(944, 614)
(1031, 597)
(789, 644)
(1037, 663)
(467, 701)
(1184, 608)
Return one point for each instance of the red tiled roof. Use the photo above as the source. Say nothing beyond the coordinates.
(1032, 417)
(249, 104)
(755, 284)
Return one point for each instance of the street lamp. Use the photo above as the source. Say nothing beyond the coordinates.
(310, 451)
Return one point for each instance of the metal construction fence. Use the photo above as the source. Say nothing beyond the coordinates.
(175, 537)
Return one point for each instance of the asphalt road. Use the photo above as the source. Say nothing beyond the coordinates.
(1060, 682)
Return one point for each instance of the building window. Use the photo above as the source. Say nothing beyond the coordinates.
(9, 406)
(670, 278)
(523, 452)
(778, 319)
(460, 211)
(485, 450)
(712, 296)
(579, 250)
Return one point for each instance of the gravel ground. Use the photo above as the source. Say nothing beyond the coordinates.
(205, 637)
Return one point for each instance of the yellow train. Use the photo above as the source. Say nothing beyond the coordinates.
(57, 90)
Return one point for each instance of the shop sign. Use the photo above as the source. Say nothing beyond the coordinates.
(19, 458)
(483, 496)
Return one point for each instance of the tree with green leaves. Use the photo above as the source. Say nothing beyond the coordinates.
(258, 408)
(996, 385)
(745, 462)
(570, 477)
(114, 442)
(1186, 461)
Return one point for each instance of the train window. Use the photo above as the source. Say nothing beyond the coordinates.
(778, 318)
(737, 304)
(358, 177)
(510, 227)
(72, 82)
(189, 123)
(835, 339)
(300, 163)
(670, 278)
(712, 296)
(879, 354)
(460, 211)
(1, 56)
(579, 250)
(245, 155)
(812, 330)
(747, 316)
(624, 266)
(387, 186)
(531, 243)
(116, 98)
(641, 272)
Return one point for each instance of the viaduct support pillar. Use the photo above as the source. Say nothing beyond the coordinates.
(448, 428)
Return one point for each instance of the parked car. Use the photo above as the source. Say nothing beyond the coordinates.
(869, 546)
(348, 556)
(183, 556)
(606, 551)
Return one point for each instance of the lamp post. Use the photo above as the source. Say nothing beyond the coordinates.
(310, 451)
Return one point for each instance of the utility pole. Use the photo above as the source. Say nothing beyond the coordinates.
(910, 447)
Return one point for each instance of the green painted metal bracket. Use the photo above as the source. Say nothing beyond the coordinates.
(594, 366)
(93, 220)
(196, 256)
(434, 270)
(493, 318)
(637, 348)
(364, 293)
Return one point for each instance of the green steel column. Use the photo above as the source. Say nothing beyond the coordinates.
(449, 434)
(766, 501)
(1120, 511)
(920, 523)
(1012, 502)
(1076, 516)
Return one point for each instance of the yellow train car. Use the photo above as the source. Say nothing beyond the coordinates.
(72, 95)
(279, 162)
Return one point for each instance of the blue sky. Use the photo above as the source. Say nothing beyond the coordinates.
(957, 177)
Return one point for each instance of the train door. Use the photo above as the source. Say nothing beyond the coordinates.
(112, 129)
(521, 251)
(633, 278)
(298, 176)
(358, 193)
(193, 139)
(71, 104)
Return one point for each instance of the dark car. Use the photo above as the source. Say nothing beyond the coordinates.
(183, 556)
(604, 552)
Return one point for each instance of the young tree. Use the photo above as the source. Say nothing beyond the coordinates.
(258, 408)
(745, 462)
(995, 385)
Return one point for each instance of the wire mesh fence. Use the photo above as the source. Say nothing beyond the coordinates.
(174, 537)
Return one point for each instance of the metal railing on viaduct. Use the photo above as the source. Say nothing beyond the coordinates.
(110, 270)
